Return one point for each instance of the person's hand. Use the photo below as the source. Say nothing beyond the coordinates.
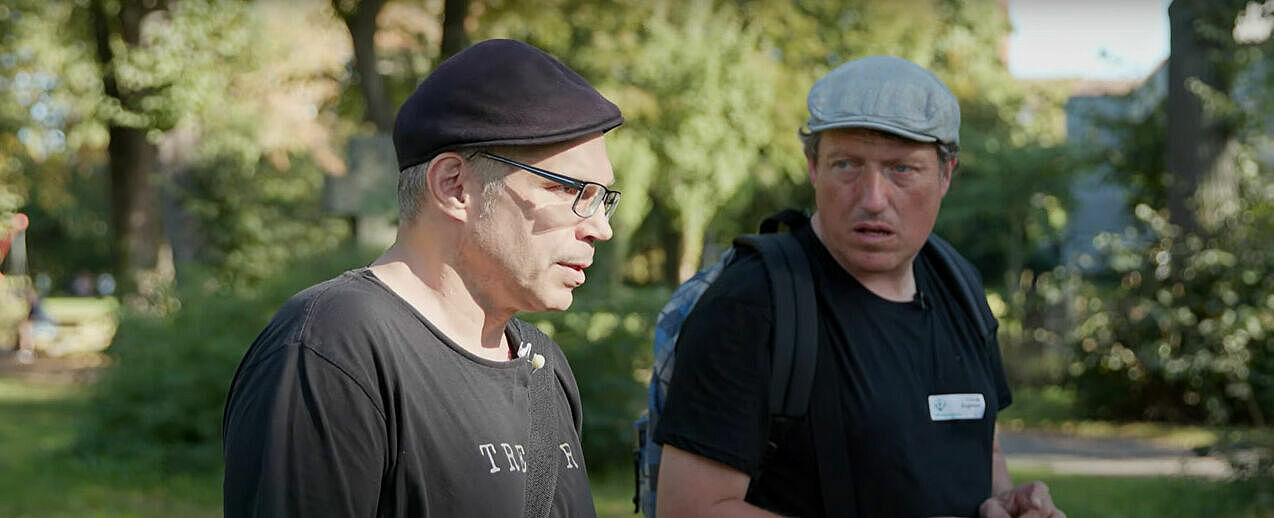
(1029, 500)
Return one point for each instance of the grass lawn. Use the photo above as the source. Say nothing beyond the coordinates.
(1054, 409)
(1078, 496)
(1134, 497)
(40, 478)
(72, 309)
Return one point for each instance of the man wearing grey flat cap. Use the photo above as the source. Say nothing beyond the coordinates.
(407, 387)
(908, 377)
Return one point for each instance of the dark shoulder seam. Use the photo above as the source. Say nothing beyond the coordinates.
(297, 343)
(309, 307)
(300, 342)
(346, 373)
(294, 336)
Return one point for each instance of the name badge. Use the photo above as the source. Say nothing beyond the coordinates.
(951, 407)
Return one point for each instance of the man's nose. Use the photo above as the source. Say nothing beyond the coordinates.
(875, 193)
(596, 227)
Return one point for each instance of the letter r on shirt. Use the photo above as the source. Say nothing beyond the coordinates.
(570, 458)
(508, 453)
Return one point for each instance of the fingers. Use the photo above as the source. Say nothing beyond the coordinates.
(1031, 495)
(1040, 501)
(993, 508)
(1029, 500)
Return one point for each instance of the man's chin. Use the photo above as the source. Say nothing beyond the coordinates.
(560, 301)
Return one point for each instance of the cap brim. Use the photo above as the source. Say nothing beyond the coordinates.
(887, 128)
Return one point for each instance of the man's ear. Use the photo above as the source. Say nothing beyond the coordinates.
(812, 163)
(948, 172)
(446, 179)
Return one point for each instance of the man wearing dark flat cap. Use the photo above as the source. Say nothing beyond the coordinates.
(907, 377)
(407, 387)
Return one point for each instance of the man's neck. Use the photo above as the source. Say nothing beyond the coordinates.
(435, 287)
(893, 285)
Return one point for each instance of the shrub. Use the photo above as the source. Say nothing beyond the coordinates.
(1188, 333)
(162, 401)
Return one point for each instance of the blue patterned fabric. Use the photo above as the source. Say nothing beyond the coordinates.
(667, 329)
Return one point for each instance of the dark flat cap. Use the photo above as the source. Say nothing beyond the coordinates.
(498, 93)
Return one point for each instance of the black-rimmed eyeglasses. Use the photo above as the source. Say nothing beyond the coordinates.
(588, 195)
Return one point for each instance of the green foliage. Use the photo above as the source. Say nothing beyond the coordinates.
(698, 92)
(1021, 191)
(1033, 321)
(714, 107)
(609, 344)
(710, 80)
(1188, 334)
(1036, 407)
(216, 85)
(252, 234)
(161, 403)
(254, 196)
(1138, 161)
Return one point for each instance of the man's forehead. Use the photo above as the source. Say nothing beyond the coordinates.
(585, 159)
(842, 139)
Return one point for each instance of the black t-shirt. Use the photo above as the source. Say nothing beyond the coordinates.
(879, 362)
(350, 403)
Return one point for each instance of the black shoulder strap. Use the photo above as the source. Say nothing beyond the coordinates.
(950, 265)
(795, 356)
(795, 352)
(542, 461)
(795, 321)
(791, 217)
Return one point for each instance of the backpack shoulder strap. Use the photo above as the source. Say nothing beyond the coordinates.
(968, 284)
(791, 217)
(795, 334)
(794, 360)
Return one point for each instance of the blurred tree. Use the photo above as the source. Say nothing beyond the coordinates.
(1022, 193)
(360, 18)
(455, 37)
(1186, 333)
(794, 44)
(1201, 124)
(714, 89)
(16, 94)
(209, 90)
(135, 221)
(47, 88)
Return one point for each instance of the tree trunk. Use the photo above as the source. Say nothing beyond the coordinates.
(1197, 141)
(1014, 256)
(134, 218)
(694, 228)
(361, 23)
(454, 36)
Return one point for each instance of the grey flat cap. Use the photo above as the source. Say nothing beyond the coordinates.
(888, 94)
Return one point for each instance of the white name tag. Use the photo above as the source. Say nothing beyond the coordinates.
(950, 407)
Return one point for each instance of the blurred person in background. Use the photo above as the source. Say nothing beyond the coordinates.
(37, 328)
